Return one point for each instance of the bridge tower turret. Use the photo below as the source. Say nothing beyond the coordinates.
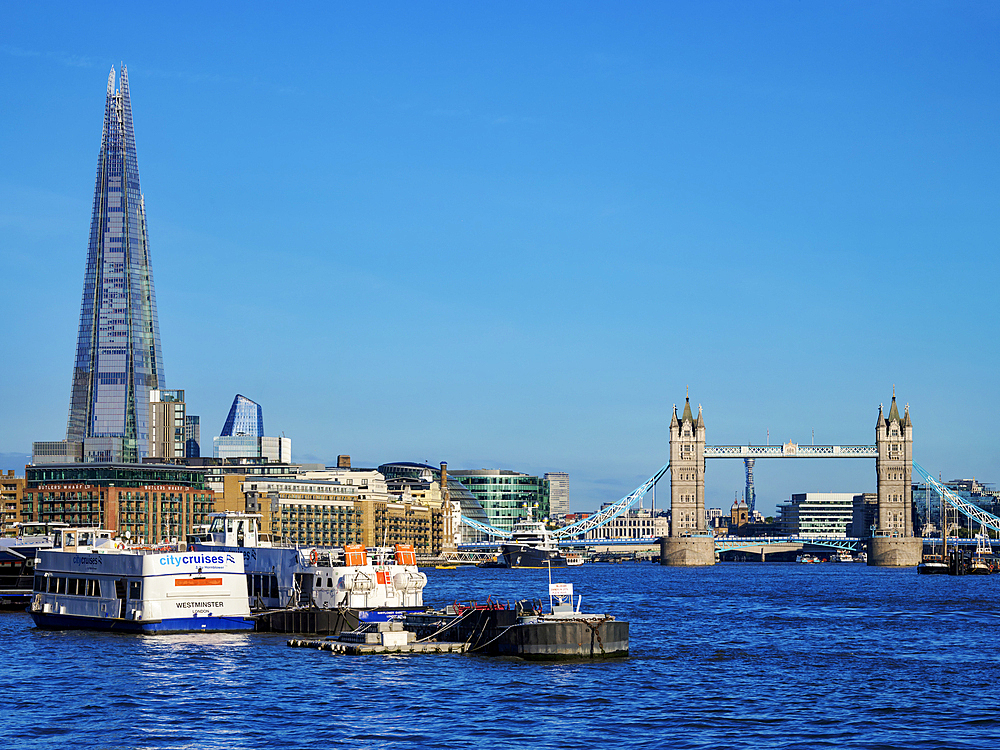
(893, 466)
(689, 542)
(894, 543)
(687, 473)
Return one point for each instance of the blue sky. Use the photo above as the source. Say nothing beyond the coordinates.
(506, 235)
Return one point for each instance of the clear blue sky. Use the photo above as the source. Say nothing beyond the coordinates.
(506, 235)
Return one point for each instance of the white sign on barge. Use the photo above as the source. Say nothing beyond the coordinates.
(86, 581)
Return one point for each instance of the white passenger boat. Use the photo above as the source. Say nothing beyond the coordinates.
(89, 580)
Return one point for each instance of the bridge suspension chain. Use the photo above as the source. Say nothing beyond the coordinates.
(491, 531)
(963, 506)
(612, 511)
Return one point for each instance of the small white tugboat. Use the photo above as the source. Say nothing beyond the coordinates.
(89, 580)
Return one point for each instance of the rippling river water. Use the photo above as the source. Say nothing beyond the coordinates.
(732, 656)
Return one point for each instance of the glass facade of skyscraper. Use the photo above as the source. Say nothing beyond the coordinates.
(246, 417)
(118, 356)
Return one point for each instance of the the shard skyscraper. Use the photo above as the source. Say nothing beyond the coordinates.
(118, 357)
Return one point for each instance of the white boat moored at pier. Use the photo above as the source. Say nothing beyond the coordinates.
(90, 581)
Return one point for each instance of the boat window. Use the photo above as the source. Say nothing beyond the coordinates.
(93, 587)
(218, 524)
(71, 586)
(39, 583)
(120, 588)
(135, 589)
(319, 582)
(52, 585)
(274, 586)
(329, 583)
(60, 585)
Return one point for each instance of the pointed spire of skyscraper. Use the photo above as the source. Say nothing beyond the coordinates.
(118, 357)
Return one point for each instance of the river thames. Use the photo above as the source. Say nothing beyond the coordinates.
(733, 656)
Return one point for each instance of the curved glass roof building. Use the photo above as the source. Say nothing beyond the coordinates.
(118, 355)
(246, 417)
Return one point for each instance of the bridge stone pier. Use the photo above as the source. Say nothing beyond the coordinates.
(691, 543)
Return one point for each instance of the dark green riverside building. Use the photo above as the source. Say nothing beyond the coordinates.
(506, 496)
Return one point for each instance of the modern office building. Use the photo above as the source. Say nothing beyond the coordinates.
(151, 502)
(167, 419)
(558, 493)
(118, 355)
(507, 496)
(245, 417)
(192, 436)
(243, 435)
(274, 449)
(864, 515)
(56, 452)
(817, 514)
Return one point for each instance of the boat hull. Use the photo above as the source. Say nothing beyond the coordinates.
(523, 556)
(932, 568)
(52, 621)
(15, 601)
(327, 621)
(503, 632)
(564, 639)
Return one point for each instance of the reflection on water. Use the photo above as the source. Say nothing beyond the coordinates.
(734, 656)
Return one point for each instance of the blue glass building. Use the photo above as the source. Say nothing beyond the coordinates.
(246, 418)
(118, 356)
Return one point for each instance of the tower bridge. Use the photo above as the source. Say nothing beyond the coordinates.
(690, 542)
